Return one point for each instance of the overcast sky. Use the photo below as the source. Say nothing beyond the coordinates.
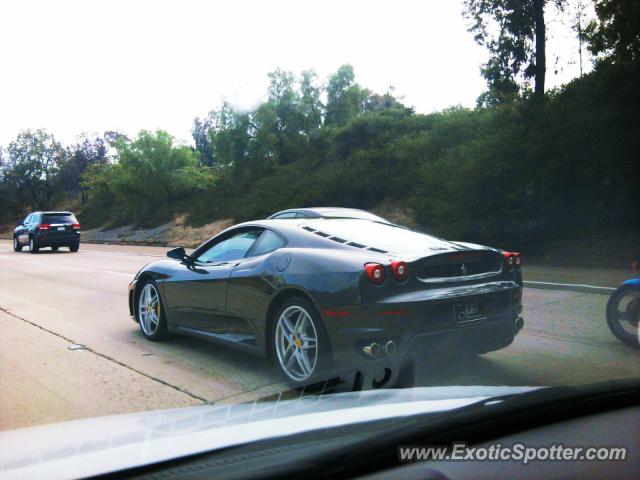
(91, 66)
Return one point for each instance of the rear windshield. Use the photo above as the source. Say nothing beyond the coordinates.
(377, 235)
(59, 218)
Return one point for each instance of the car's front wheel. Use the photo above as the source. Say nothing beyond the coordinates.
(301, 347)
(33, 245)
(17, 247)
(150, 313)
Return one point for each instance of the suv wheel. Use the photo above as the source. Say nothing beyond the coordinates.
(33, 245)
(74, 247)
(16, 244)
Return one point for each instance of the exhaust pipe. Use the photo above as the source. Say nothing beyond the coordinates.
(372, 350)
(390, 348)
(518, 325)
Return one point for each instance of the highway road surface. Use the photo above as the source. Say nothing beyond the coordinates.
(68, 348)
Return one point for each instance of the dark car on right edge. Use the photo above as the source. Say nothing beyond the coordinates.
(47, 229)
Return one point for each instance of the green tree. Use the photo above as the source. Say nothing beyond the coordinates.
(289, 123)
(150, 176)
(514, 32)
(34, 160)
(310, 104)
(80, 156)
(345, 98)
(201, 136)
(616, 33)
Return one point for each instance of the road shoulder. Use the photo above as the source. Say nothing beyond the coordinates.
(42, 380)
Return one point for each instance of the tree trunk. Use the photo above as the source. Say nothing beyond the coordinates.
(541, 59)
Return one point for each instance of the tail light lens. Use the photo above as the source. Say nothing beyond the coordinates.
(375, 273)
(512, 259)
(517, 260)
(44, 226)
(400, 270)
(76, 226)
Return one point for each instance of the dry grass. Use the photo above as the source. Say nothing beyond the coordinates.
(174, 233)
(187, 236)
(395, 213)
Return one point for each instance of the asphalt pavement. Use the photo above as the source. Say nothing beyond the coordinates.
(68, 348)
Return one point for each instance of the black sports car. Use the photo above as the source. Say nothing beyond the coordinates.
(320, 295)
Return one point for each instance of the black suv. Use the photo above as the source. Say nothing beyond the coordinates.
(47, 229)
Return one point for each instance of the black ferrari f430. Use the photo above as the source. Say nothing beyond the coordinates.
(321, 295)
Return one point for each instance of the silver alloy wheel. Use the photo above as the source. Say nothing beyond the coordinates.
(296, 343)
(149, 309)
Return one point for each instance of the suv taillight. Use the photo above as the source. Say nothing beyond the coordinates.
(375, 273)
(44, 226)
(76, 226)
(512, 259)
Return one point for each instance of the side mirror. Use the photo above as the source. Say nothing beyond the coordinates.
(179, 254)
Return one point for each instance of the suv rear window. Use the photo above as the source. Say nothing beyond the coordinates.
(59, 218)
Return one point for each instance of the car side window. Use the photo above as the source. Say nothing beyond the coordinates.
(268, 242)
(26, 220)
(230, 249)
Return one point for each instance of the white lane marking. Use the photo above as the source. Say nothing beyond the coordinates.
(570, 286)
(102, 252)
(130, 275)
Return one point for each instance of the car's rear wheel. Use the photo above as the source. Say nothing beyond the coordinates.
(301, 347)
(623, 315)
(33, 245)
(74, 247)
(17, 247)
(150, 313)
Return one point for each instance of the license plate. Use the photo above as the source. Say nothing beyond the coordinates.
(467, 313)
(61, 229)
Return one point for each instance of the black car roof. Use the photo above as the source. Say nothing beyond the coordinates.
(361, 234)
(306, 229)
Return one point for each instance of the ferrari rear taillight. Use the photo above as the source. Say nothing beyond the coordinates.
(76, 226)
(400, 270)
(44, 226)
(375, 273)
